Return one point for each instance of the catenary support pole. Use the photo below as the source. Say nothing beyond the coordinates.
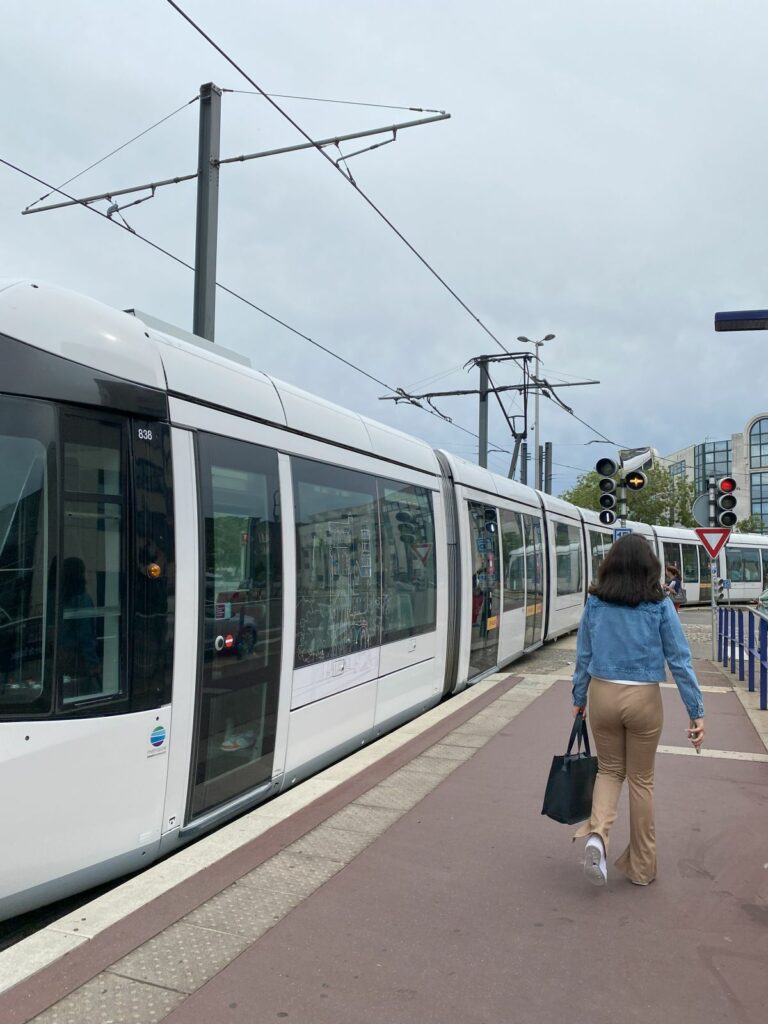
(482, 456)
(524, 463)
(548, 467)
(204, 310)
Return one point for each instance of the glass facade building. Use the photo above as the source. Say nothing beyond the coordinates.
(713, 458)
(758, 471)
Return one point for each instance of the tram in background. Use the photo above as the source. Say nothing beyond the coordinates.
(213, 584)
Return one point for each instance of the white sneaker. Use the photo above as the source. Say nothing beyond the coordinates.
(595, 864)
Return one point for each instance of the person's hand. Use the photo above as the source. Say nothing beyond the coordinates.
(696, 733)
(582, 709)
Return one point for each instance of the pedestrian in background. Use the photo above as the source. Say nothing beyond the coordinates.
(627, 631)
(673, 586)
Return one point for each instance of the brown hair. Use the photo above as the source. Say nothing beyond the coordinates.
(673, 571)
(629, 574)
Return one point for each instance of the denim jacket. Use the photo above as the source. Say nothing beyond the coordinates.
(619, 642)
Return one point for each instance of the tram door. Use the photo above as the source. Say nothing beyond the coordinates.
(236, 707)
(486, 590)
(534, 573)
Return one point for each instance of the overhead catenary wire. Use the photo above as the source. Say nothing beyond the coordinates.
(321, 99)
(229, 291)
(333, 164)
(114, 151)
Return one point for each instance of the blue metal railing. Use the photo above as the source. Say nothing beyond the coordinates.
(731, 646)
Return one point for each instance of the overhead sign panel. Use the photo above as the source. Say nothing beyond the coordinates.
(742, 320)
(714, 538)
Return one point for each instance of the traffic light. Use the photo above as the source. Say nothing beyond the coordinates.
(725, 502)
(636, 480)
(719, 590)
(605, 469)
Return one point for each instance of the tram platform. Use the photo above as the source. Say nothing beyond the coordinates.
(417, 882)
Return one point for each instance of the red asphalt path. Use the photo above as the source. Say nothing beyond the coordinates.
(472, 908)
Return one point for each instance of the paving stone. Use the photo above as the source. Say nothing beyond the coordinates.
(292, 873)
(463, 737)
(447, 750)
(108, 997)
(435, 765)
(334, 843)
(244, 910)
(183, 958)
(359, 817)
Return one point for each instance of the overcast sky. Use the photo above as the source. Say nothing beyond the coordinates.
(602, 178)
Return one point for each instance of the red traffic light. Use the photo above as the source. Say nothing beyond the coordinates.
(726, 484)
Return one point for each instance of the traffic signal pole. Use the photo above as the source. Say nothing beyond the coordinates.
(713, 568)
(621, 490)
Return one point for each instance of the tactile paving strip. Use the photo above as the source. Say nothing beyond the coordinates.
(244, 910)
(145, 986)
(182, 958)
(108, 997)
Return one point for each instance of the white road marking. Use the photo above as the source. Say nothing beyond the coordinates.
(730, 755)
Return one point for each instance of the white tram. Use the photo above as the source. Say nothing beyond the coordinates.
(213, 584)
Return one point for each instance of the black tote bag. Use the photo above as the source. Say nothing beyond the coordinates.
(568, 797)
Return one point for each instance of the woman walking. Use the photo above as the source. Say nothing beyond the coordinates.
(628, 629)
(673, 586)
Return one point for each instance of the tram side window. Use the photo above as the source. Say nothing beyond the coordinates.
(764, 559)
(408, 562)
(568, 551)
(337, 562)
(751, 562)
(27, 537)
(92, 571)
(734, 565)
(743, 565)
(671, 555)
(514, 560)
(705, 565)
(599, 546)
(690, 563)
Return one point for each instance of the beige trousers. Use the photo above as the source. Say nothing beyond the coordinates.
(626, 725)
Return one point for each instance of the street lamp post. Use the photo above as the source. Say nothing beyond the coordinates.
(537, 461)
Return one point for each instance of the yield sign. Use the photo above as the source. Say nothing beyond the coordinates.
(421, 551)
(714, 538)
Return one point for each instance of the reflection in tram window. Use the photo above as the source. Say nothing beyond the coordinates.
(337, 562)
(534, 579)
(514, 560)
(742, 565)
(26, 492)
(599, 546)
(672, 555)
(485, 607)
(237, 700)
(568, 551)
(690, 563)
(409, 576)
(92, 585)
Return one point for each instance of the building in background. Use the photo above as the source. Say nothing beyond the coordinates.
(743, 456)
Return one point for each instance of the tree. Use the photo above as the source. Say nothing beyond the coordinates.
(664, 501)
(752, 524)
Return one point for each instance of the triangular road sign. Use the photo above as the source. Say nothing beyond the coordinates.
(714, 538)
(422, 552)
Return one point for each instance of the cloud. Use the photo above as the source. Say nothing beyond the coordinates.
(601, 178)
